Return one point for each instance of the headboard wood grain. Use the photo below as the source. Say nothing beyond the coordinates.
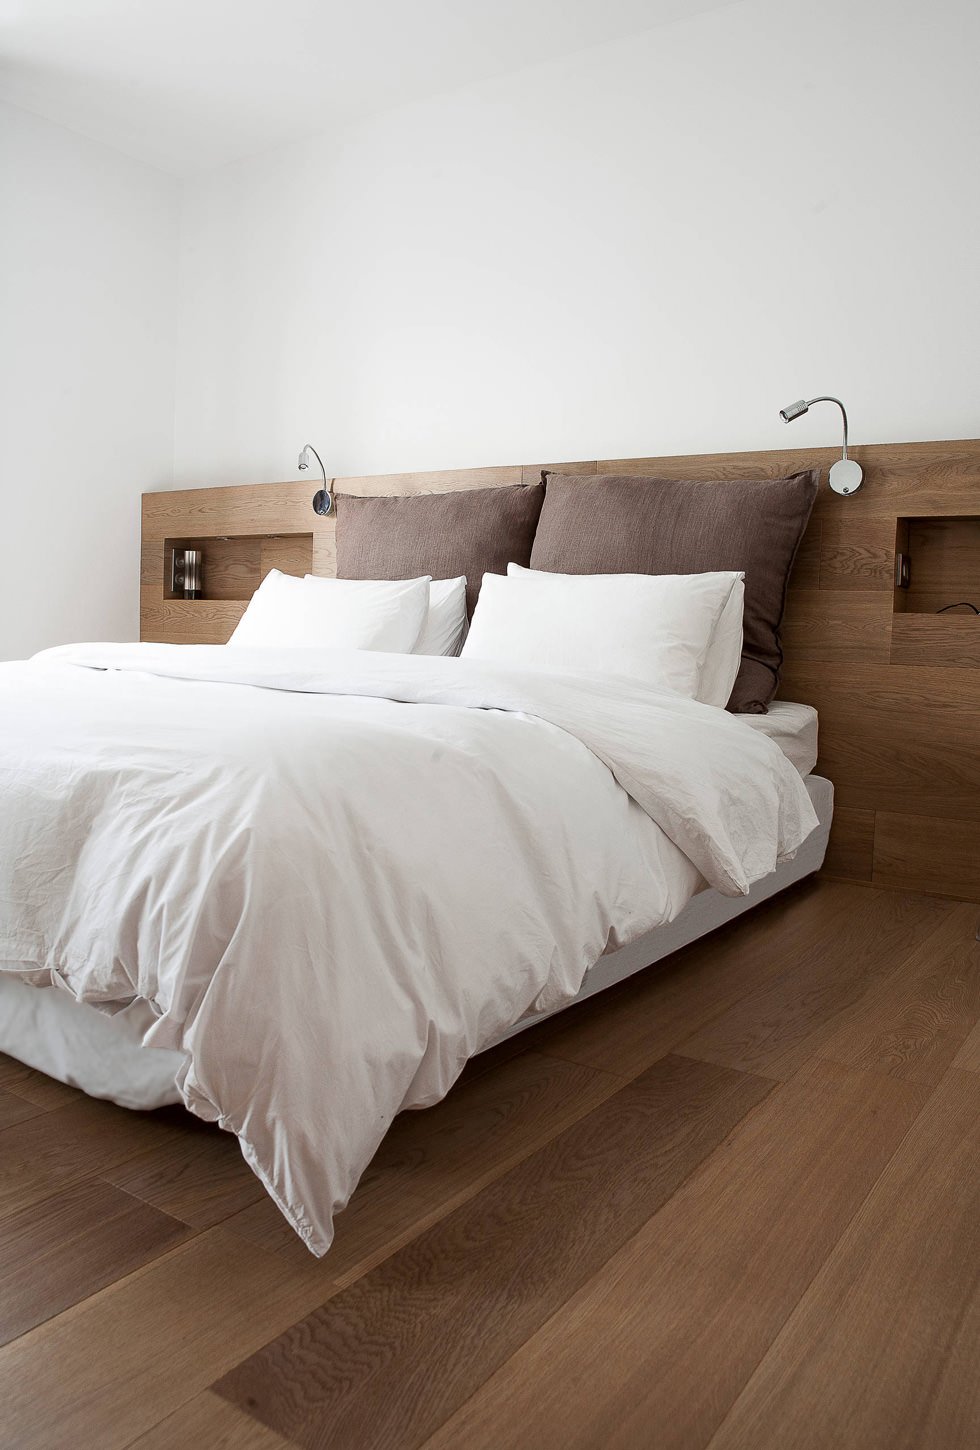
(897, 688)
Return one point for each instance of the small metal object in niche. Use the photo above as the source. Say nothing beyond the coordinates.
(187, 573)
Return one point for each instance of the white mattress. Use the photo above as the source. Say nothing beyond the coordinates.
(794, 729)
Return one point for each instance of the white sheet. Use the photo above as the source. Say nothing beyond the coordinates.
(332, 898)
(87, 1049)
(793, 728)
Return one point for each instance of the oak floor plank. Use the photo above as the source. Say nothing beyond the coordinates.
(656, 1347)
(199, 1177)
(84, 1138)
(775, 1029)
(116, 1365)
(209, 1423)
(881, 1353)
(388, 1359)
(432, 1161)
(59, 1252)
(629, 1026)
(914, 1024)
(35, 1087)
(16, 1110)
(968, 1057)
(495, 1057)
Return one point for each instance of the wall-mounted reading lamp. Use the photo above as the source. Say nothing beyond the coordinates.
(846, 474)
(322, 499)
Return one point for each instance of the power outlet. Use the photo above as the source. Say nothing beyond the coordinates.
(177, 568)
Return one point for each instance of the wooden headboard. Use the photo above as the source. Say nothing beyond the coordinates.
(897, 684)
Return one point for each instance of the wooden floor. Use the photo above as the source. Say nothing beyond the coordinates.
(732, 1203)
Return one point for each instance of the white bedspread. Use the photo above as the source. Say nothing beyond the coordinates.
(334, 875)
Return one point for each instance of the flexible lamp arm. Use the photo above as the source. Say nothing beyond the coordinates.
(846, 475)
(826, 398)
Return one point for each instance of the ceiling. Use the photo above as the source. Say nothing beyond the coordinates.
(187, 85)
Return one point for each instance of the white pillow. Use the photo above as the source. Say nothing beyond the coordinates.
(652, 627)
(335, 613)
(445, 623)
(724, 653)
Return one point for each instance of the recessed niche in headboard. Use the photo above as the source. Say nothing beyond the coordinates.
(242, 532)
(235, 567)
(944, 563)
(942, 559)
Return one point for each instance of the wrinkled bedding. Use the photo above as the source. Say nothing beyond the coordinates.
(335, 875)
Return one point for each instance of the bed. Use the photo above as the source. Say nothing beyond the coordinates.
(297, 880)
(170, 852)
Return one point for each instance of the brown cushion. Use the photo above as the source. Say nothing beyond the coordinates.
(473, 532)
(619, 524)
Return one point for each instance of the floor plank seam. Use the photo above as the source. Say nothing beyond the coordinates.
(704, 1168)
(478, 1185)
(42, 1108)
(151, 1430)
(193, 1230)
(748, 1072)
(620, 1248)
(845, 1229)
(112, 1286)
(829, 1025)
(624, 1079)
(773, 1348)
(131, 1277)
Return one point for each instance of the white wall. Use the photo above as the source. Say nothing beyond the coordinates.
(646, 248)
(650, 247)
(88, 254)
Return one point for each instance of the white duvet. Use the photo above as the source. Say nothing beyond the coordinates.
(335, 876)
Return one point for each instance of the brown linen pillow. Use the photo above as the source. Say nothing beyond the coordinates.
(622, 524)
(473, 531)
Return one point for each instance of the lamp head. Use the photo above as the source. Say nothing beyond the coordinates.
(795, 410)
(303, 462)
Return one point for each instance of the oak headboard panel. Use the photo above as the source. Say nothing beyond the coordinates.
(897, 684)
